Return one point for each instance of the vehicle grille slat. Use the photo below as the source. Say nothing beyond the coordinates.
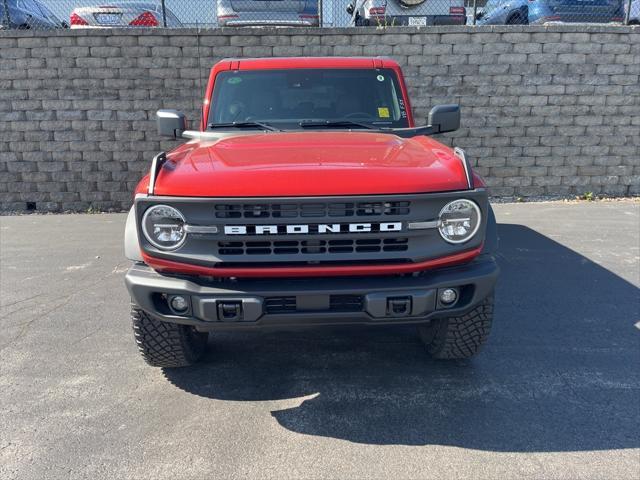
(337, 303)
(313, 210)
(279, 247)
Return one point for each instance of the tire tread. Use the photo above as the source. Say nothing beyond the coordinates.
(460, 337)
(164, 344)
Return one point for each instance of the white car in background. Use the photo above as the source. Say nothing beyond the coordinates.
(123, 14)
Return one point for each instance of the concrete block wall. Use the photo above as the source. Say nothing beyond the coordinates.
(546, 110)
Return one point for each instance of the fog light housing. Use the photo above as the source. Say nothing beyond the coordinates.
(179, 304)
(448, 296)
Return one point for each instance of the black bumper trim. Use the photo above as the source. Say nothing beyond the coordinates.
(478, 279)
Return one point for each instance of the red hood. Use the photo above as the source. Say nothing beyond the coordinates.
(310, 164)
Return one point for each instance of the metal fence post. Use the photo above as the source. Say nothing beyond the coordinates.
(320, 14)
(628, 14)
(164, 14)
(475, 10)
(5, 18)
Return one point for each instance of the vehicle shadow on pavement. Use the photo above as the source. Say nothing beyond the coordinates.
(560, 372)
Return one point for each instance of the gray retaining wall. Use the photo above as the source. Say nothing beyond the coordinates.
(546, 110)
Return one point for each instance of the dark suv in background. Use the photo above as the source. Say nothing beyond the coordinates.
(25, 14)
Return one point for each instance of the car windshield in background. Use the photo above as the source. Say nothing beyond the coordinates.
(309, 98)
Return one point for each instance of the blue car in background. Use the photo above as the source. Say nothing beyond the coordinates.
(25, 14)
(513, 12)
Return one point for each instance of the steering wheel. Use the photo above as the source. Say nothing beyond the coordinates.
(358, 114)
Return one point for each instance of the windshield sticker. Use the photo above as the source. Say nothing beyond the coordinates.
(383, 112)
(234, 80)
(403, 109)
(380, 78)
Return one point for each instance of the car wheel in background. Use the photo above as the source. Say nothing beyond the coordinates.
(517, 18)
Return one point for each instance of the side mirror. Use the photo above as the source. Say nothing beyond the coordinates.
(445, 118)
(171, 123)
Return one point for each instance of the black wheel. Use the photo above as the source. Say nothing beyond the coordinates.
(459, 337)
(517, 19)
(164, 344)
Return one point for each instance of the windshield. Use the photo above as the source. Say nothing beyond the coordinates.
(46, 12)
(298, 97)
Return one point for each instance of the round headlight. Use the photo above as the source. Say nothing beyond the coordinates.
(163, 226)
(459, 221)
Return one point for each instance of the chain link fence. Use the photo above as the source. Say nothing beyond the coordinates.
(48, 14)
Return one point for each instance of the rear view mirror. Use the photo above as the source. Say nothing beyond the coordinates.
(445, 118)
(171, 123)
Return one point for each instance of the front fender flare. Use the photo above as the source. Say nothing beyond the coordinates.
(131, 243)
(491, 234)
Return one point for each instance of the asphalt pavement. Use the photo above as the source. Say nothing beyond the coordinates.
(555, 393)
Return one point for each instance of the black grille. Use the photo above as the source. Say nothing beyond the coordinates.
(280, 304)
(337, 303)
(310, 210)
(346, 303)
(316, 263)
(312, 247)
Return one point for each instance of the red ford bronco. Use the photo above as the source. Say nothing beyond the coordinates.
(307, 196)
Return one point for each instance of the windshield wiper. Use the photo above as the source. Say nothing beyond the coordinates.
(332, 124)
(251, 124)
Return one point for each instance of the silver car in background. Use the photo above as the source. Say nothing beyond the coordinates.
(286, 13)
(123, 14)
(417, 13)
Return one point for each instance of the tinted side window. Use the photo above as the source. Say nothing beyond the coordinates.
(29, 6)
(45, 11)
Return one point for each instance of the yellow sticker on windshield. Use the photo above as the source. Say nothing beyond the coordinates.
(383, 112)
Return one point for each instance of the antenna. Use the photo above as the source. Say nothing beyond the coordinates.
(196, 101)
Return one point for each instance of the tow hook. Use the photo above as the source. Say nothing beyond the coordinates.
(398, 306)
(230, 311)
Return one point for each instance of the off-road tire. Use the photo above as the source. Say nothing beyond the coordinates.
(164, 344)
(459, 337)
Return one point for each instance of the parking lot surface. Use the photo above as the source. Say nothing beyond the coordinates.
(555, 394)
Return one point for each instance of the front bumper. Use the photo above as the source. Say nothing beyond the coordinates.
(405, 20)
(267, 19)
(324, 301)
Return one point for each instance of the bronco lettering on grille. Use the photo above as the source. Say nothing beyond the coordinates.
(304, 229)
